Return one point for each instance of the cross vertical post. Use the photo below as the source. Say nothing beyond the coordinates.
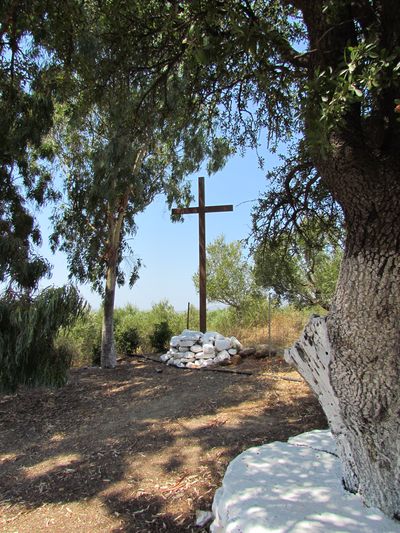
(202, 258)
(201, 210)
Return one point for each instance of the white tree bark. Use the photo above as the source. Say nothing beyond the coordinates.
(311, 355)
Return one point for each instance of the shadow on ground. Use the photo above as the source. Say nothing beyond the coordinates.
(133, 449)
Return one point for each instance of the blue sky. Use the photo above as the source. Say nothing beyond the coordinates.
(169, 251)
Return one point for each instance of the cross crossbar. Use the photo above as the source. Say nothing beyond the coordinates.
(196, 210)
(201, 210)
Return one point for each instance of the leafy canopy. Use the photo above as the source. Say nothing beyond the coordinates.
(33, 56)
(230, 277)
(301, 267)
(136, 132)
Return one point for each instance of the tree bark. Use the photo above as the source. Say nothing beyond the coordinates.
(365, 372)
(352, 358)
(108, 353)
(116, 219)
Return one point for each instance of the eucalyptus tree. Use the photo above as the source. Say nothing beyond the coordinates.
(132, 131)
(328, 73)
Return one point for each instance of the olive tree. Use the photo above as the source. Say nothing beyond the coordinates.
(230, 274)
(327, 73)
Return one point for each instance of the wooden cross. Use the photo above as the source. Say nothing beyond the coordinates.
(201, 210)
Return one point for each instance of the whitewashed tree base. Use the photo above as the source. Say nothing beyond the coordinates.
(292, 486)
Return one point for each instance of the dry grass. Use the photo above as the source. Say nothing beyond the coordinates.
(286, 328)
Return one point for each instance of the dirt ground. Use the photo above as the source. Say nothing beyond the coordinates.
(139, 448)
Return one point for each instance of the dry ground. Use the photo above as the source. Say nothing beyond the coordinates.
(138, 448)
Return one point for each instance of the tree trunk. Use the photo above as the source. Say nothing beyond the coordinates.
(108, 353)
(116, 218)
(352, 358)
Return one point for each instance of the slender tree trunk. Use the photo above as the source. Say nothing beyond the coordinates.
(116, 221)
(352, 358)
(108, 353)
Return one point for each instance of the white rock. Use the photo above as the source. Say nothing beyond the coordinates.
(174, 342)
(222, 356)
(222, 344)
(188, 356)
(193, 335)
(294, 486)
(209, 337)
(236, 344)
(208, 349)
(207, 362)
(196, 348)
(186, 342)
(202, 356)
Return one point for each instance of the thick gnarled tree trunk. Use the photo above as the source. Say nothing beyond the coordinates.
(352, 358)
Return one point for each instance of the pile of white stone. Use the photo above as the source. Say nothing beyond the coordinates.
(193, 349)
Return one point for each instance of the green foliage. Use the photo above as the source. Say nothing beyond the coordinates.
(165, 312)
(33, 53)
(366, 72)
(28, 330)
(25, 117)
(301, 267)
(230, 277)
(161, 336)
(134, 132)
(128, 340)
(84, 339)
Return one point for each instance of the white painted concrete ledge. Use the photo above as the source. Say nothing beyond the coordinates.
(294, 487)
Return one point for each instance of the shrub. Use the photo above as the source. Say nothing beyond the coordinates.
(161, 336)
(96, 349)
(29, 327)
(85, 338)
(127, 340)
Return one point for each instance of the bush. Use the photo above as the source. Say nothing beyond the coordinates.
(161, 336)
(127, 340)
(29, 354)
(96, 349)
(84, 339)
